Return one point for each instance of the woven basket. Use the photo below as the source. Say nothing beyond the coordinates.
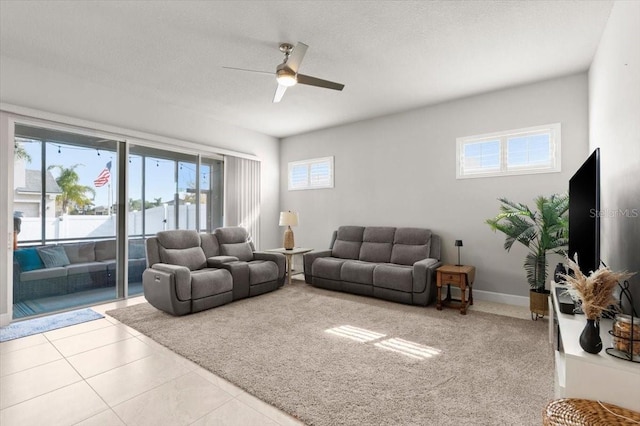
(539, 303)
(584, 412)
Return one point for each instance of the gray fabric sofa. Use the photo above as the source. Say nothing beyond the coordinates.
(190, 272)
(84, 266)
(397, 264)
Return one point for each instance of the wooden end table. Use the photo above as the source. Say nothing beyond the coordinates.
(289, 253)
(461, 276)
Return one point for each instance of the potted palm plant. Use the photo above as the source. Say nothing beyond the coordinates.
(541, 231)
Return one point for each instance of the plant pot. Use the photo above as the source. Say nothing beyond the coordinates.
(538, 303)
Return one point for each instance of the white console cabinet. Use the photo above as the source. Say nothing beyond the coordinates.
(579, 374)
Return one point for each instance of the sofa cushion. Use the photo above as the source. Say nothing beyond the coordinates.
(261, 271)
(28, 259)
(209, 282)
(327, 267)
(395, 277)
(86, 267)
(346, 249)
(178, 239)
(43, 274)
(412, 236)
(53, 256)
(136, 249)
(231, 235)
(379, 234)
(105, 250)
(81, 252)
(356, 271)
(350, 233)
(240, 250)
(193, 258)
(376, 252)
(209, 244)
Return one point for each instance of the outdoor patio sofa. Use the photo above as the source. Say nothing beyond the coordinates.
(55, 270)
(397, 264)
(190, 272)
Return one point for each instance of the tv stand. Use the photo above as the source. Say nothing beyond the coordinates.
(579, 374)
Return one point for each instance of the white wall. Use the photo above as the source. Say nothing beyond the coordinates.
(27, 86)
(399, 170)
(614, 126)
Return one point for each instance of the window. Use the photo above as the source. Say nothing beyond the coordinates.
(512, 152)
(311, 174)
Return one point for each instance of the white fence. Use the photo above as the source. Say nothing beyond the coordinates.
(77, 226)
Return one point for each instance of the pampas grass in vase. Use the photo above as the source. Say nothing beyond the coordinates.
(596, 294)
(595, 291)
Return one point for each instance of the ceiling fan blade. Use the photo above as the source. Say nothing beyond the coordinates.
(279, 93)
(296, 56)
(244, 69)
(313, 81)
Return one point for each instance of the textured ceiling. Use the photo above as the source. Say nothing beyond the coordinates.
(391, 55)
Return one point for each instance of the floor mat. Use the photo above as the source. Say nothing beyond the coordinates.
(52, 322)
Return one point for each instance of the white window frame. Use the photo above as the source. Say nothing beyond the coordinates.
(308, 164)
(554, 141)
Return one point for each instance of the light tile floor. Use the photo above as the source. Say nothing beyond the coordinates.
(105, 373)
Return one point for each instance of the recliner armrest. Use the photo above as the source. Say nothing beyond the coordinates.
(278, 258)
(424, 272)
(182, 276)
(308, 261)
(218, 261)
(240, 274)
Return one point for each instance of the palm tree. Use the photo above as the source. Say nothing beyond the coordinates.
(19, 153)
(541, 232)
(73, 194)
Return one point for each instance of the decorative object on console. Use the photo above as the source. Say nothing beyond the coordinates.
(558, 273)
(542, 231)
(288, 219)
(596, 294)
(458, 244)
(626, 331)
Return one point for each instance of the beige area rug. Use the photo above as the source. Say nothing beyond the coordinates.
(382, 363)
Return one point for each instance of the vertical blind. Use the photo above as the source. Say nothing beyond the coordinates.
(242, 195)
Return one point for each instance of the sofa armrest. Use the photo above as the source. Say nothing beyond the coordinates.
(217, 261)
(182, 278)
(308, 261)
(278, 258)
(424, 278)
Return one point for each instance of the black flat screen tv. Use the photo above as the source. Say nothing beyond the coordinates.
(584, 214)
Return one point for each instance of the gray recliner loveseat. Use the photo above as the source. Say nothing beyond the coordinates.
(397, 264)
(190, 272)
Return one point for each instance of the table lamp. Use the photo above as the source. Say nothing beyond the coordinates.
(458, 244)
(288, 219)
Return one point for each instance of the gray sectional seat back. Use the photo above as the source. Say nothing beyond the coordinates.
(396, 264)
(72, 267)
(190, 272)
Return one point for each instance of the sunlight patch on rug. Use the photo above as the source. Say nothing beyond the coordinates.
(408, 348)
(354, 333)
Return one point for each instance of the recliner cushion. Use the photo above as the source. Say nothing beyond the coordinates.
(240, 250)
(395, 277)
(410, 245)
(231, 235)
(327, 267)
(356, 271)
(261, 271)
(178, 239)
(209, 282)
(193, 258)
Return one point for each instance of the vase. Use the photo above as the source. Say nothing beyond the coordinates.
(590, 337)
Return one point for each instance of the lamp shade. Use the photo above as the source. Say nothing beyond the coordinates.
(288, 218)
(458, 242)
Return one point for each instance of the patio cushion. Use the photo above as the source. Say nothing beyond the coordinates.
(81, 252)
(43, 274)
(53, 256)
(28, 259)
(83, 268)
(105, 250)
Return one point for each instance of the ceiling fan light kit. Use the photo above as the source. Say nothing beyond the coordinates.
(287, 72)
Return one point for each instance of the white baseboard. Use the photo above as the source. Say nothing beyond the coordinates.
(508, 299)
(491, 296)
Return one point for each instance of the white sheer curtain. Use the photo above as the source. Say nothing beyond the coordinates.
(242, 195)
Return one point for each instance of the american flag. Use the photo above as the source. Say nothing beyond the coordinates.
(103, 177)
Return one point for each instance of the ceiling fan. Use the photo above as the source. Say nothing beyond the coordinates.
(287, 72)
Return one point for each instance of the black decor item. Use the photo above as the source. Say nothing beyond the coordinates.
(458, 244)
(558, 274)
(590, 339)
